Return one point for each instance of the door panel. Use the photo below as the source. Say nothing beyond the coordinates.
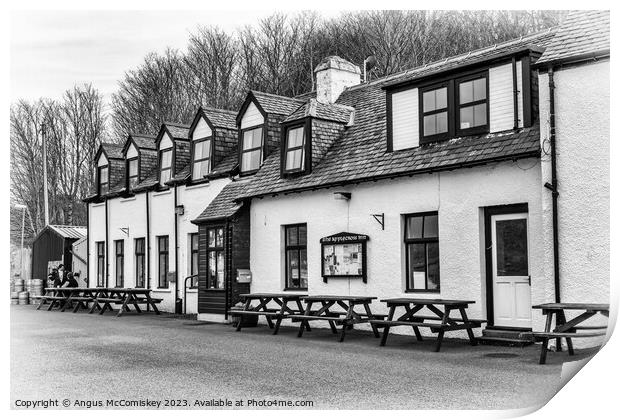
(511, 274)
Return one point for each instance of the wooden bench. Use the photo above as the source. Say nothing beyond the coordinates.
(546, 336)
(435, 327)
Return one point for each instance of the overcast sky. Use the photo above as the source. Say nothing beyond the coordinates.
(53, 50)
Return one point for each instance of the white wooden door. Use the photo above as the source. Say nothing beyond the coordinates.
(512, 300)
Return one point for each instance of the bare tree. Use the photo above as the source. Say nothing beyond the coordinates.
(73, 128)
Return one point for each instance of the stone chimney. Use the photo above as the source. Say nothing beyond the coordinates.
(333, 76)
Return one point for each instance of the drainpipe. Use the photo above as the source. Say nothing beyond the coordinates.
(107, 245)
(553, 187)
(176, 248)
(515, 93)
(148, 243)
(88, 282)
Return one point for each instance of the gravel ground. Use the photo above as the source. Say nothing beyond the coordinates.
(97, 358)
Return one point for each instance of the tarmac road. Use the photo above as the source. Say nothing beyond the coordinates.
(137, 357)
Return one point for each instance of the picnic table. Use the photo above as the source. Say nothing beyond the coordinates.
(568, 329)
(440, 321)
(124, 297)
(282, 311)
(346, 318)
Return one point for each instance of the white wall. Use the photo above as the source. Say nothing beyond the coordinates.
(251, 117)
(459, 196)
(405, 127)
(96, 233)
(165, 142)
(127, 214)
(202, 130)
(582, 138)
(102, 160)
(132, 152)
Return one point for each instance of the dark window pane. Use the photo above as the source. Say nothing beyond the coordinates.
(219, 238)
(435, 99)
(473, 116)
(293, 268)
(291, 236)
(436, 124)
(431, 227)
(250, 160)
(432, 257)
(303, 268)
(511, 243)
(417, 265)
(302, 235)
(414, 227)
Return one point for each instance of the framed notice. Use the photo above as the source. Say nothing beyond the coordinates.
(344, 255)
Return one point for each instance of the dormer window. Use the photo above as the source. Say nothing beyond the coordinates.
(435, 112)
(252, 149)
(165, 165)
(201, 165)
(104, 184)
(294, 152)
(456, 107)
(472, 105)
(132, 173)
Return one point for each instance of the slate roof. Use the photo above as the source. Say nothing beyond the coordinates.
(224, 205)
(70, 232)
(221, 117)
(537, 40)
(150, 181)
(144, 141)
(113, 150)
(331, 112)
(178, 131)
(583, 32)
(226, 165)
(360, 154)
(275, 104)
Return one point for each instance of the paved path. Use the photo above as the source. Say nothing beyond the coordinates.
(92, 357)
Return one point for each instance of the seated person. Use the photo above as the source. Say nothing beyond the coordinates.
(70, 280)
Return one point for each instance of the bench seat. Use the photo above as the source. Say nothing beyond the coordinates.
(564, 334)
(458, 319)
(266, 313)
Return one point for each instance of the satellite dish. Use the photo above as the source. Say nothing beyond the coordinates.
(370, 62)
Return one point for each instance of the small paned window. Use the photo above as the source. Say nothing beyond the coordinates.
(202, 159)
(165, 166)
(296, 256)
(252, 149)
(422, 252)
(132, 173)
(294, 153)
(104, 182)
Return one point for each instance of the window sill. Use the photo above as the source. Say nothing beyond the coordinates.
(194, 185)
(436, 291)
(295, 289)
(164, 192)
(132, 198)
(161, 290)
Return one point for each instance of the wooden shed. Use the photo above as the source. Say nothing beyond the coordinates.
(52, 246)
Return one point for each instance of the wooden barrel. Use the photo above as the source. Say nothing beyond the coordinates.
(23, 298)
(14, 298)
(36, 288)
(18, 286)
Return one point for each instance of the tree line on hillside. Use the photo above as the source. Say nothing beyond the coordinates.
(277, 55)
